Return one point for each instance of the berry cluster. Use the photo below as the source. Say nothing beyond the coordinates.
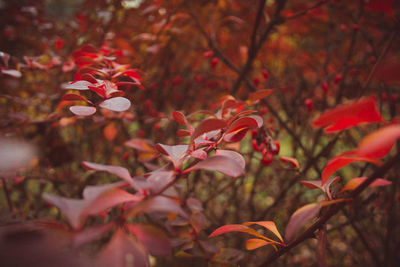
(264, 143)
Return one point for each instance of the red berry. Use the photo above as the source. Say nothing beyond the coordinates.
(325, 87)
(275, 150)
(265, 74)
(338, 78)
(343, 27)
(208, 54)
(254, 133)
(356, 27)
(255, 145)
(256, 81)
(214, 62)
(141, 133)
(309, 104)
(266, 159)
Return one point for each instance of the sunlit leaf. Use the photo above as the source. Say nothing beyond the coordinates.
(78, 85)
(118, 104)
(292, 161)
(12, 73)
(255, 243)
(82, 110)
(355, 182)
(270, 225)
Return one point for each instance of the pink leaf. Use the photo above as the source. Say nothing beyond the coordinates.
(223, 164)
(82, 110)
(199, 154)
(155, 240)
(299, 218)
(143, 145)
(176, 154)
(121, 172)
(118, 104)
(92, 233)
(233, 155)
(123, 250)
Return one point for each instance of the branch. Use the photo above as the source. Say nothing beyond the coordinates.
(332, 211)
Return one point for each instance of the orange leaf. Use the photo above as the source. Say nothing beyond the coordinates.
(292, 161)
(380, 142)
(110, 132)
(355, 182)
(349, 115)
(268, 225)
(260, 94)
(254, 243)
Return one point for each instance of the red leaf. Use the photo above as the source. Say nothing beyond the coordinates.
(385, 6)
(175, 153)
(122, 251)
(380, 142)
(69, 97)
(299, 218)
(229, 228)
(223, 164)
(129, 73)
(82, 110)
(260, 94)
(242, 123)
(238, 228)
(208, 125)
(349, 115)
(118, 104)
(155, 240)
(179, 117)
(355, 182)
(255, 243)
(341, 161)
